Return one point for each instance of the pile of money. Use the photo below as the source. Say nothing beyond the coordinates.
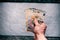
(31, 14)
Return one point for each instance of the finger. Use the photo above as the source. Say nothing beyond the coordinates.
(30, 23)
(43, 25)
(36, 21)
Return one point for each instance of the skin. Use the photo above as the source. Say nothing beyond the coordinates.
(39, 31)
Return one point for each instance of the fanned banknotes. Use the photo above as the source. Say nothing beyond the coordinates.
(31, 14)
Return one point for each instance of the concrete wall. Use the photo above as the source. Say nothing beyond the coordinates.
(12, 18)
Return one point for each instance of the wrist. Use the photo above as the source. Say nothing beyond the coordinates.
(40, 37)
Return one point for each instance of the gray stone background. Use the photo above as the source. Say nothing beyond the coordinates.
(12, 18)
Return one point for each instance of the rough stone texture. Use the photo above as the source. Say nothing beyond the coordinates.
(12, 18)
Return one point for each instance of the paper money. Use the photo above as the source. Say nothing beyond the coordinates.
(31, 14)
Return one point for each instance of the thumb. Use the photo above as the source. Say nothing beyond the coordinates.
(36, 21)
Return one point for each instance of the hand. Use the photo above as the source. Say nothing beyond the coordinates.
(39, 30)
